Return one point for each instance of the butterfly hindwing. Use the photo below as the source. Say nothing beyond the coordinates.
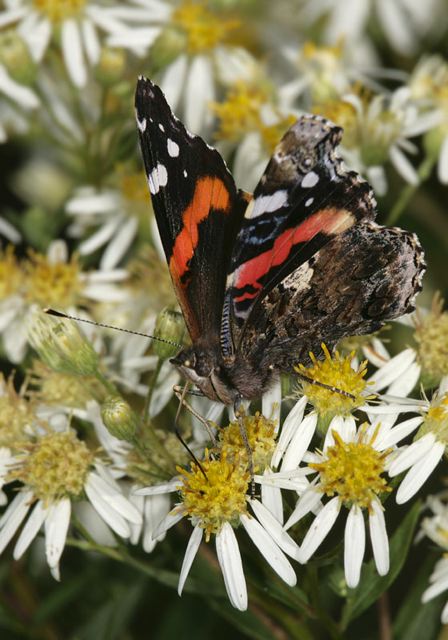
(197, 207)
(304, 199)
(354, 283)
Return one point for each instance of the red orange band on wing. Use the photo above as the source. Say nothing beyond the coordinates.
(210, 193)
(329, 221)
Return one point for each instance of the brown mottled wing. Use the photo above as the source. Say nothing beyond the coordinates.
(362, 278)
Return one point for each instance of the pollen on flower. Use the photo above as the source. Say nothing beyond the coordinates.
(214, 495)
(261, 436)
(55, 466)
(55, 388)
(11, 275)
(436, 420)
(203, 28)
(337, 372)
(352, 471)
(58, 10)
(52, 283)
(16, 414)
(431, 336)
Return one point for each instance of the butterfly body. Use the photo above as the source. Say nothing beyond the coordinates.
(263, 280)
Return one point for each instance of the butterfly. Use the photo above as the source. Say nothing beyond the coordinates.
(264, 279)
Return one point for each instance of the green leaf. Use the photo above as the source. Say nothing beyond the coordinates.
(246, 622)
(372, 585)
(416, 620)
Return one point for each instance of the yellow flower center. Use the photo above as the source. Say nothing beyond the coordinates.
(16, 414)
(134, 191)
(202, 28)
(55, 467)
(352, 471)
(58, 10)
(322, 65)
(241, 113)
(52, 284)
(335, 371)
(11, 276)
(344, 115)
(214, 495)
(261, 436)
(436, 420)
(431, 335)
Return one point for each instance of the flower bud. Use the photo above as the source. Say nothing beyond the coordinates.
(119, 418)
(14, 55)
(111, 66)
(168, 45)
(61, 345)
(169, 326)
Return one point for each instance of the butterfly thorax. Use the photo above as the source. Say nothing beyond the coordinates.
(222, 379)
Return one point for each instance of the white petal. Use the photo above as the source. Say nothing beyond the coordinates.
(56, 527)
(110, 491)
(269, 550)
(115, 521)
(271, 497)
(156, 509)
(403, 166)
(89, 202)
(25, 97)
(169, 521)
(119, 245)
(435, 589)
(289, 427)
(300, 441)
(412, 454)
(271, 403)
(199, 92)
(275, 529)
(30, 530)
(100, 237)
(13, 517)
(190, 554)
(354, 546)
(378, 537)
(420, 472)
(158, 489)
(72, 52)
(337, 425)
(306, 503)
(91, 41)
(10, 232)
(393, 436)
(229, 558)
(173, 80)
(392, 370)
(318, 530)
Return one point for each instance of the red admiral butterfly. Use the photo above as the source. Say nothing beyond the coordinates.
(264, 279)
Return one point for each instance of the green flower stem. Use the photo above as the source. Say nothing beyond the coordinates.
(152, 386)
(424, 171)
(107, 384)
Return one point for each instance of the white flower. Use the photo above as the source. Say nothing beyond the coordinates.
(436, 528)
(48, 503)
(350, 472)
(79, 40)
(51, 280)
(420, 459)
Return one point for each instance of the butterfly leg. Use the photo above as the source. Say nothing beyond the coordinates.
(180, 395)
(179, 435)
(239, 415)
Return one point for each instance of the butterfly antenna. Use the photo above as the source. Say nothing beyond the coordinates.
(60, 314)
(326, 386)
(178, 433)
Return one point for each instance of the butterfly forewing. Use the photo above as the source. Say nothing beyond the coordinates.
(197, 208)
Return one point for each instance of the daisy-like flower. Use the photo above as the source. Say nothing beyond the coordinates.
(420, 459)
(378, 130)
(54, 280)
(351, 473)
(73, 24)
(436, 528)
(56, 469)
(215, 497)
(403, 22)
(116, 216)
(193, 37)
(428, 84)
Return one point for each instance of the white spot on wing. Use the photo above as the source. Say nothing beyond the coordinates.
(309, 202)
(185, 173)
(173, 148)
(310, 180)
(266, 204)
(157, 178)
(161, 127)
(141, 124)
